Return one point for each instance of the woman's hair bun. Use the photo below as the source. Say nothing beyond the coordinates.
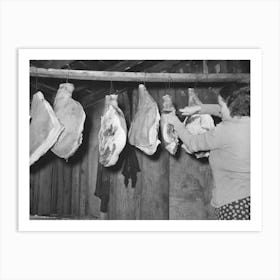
(237, 99)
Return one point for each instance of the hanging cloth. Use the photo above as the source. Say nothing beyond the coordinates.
(130, 162)
(102, 189)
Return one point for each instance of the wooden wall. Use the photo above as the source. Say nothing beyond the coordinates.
(168, 187)
(66, 189)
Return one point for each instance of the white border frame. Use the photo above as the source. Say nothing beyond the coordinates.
(25, 224)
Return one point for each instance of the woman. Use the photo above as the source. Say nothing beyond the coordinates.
(229, 146)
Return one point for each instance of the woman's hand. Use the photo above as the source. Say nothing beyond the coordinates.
(190, 110)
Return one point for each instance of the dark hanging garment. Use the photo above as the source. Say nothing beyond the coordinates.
(102, 189)
(130, 161)
(127, 162)
(130, 166)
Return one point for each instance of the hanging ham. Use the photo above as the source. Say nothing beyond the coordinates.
(197, 123)
(44, 127)
(113, 132)
(71, 114)
(143, 132)
(170, 137)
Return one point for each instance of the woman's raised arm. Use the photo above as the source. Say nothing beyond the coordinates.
(211, 109)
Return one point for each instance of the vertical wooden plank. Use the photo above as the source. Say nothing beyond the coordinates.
(83, 158)
(205, 67)
(75, 199)
(121, 202)
(241, 66)
(94, 115)
(60, 187)
(138, 188)
(163, 162)
(217, 66)
(83, 184)
(190, 183)
(36, 191)
(54, 188)
(186, 190)
(139, 185)
(245, 66)
(208, 185)
(44, 206)
(67, 188)
(197, 66)
(154, 202)
(31, 192)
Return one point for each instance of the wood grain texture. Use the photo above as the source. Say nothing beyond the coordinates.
(154, 195)
(83, 185)
(121, 203)
(67, 188)
(190, 180)
(45, 183)
(32, 191)
(168, 187)
(60, 186)
(94, 115)
(54, 187)
(75, 194)
(139, 184)
(212, 77)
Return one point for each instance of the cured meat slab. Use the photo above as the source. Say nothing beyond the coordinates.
(170, 137)
(71, 114)
(44, 127)
(113, 132)
(197, 123)
(143, 132)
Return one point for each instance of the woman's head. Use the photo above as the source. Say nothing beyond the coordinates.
(234, 102)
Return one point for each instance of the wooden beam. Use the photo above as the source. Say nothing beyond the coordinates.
(139, 76)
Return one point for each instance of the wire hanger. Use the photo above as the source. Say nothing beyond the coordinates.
(67, 75)
(111, 87)
(169, 83)
(36, 84)
(36, 80)
(145, 78)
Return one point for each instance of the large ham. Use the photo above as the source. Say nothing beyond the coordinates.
(143, 132)
(169, 135)
(44, 127)
(71, 114)
(197, 123)
(113, 132)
